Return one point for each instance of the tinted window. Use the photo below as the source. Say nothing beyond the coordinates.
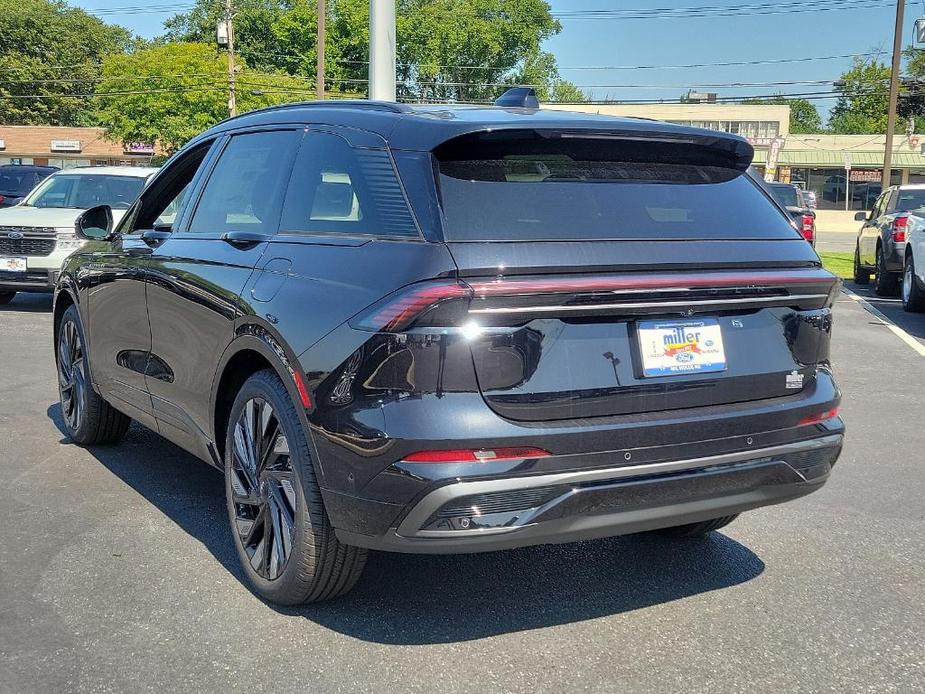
(554, 188)
(162, 201)
(338, 189)
(910, 200)
(786, 196)
(244, 190)
(16, 180)
(83, 191)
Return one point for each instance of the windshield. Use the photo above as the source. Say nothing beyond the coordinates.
(83, 191)
(786, 196)
(580, 189)
(15, 181)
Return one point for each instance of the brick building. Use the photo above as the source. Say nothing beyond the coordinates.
(68, 147)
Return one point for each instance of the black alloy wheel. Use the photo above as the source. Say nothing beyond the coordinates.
(263, 489)
(72, 375)
(281, 530)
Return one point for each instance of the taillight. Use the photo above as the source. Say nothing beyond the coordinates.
(817, 418)
(399, 310)
(899, 228)
(476, 455)
(807, 227)
(2, 199)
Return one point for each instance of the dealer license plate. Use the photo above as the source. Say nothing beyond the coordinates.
(678, 347)
(12, 264)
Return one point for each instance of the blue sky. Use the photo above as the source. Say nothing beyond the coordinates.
(623, 42)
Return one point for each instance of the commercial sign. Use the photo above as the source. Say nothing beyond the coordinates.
(65, 145)
(773, 153)
(137, 148)
(864, 176)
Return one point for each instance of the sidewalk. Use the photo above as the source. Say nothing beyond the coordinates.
(837, 221)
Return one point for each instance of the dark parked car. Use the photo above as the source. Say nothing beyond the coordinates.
(881, 244)
(16, 180)
(793, 200)
(439, 330)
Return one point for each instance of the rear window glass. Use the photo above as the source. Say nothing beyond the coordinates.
(534, 187)
(786, 196)
(910, 199)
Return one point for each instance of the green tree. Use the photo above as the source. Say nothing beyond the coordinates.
(50, 54)
(169, 93)
(864, 99)
(541, 72)
(456, 50)
(804, 116)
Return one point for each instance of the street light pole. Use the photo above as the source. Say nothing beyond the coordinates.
(319, 71)
(894, 91)
(382, 50)
(232, 102)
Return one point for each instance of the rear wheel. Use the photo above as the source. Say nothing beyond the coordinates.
(6, 297)
(861, 276)
(281, 531)
(88, 418)
(885, 282)
(913, 295)
(696, 529)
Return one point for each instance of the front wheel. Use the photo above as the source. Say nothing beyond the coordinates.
(88, 418)
(281, 531)
(861, 276)
(6, 297)
(885, 282)
(913, 295)
(697, 529)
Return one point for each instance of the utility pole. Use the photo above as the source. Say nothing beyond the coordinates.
(229, 18)
(382, 50)
(319, 71)
(894, 92)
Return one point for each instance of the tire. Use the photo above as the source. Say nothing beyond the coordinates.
(913, 295)
(696, 529)
(88, 419)
(886, 283)
(274, 502)
(6, 297)
(861, 276)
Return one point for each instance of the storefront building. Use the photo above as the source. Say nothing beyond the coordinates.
(68, 147)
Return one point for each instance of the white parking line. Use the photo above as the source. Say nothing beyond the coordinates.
(878, 314)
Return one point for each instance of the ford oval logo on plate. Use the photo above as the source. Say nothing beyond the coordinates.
(15, 235)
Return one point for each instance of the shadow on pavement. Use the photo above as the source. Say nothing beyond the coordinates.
(420, 599)
(26, 302)
(892, 308)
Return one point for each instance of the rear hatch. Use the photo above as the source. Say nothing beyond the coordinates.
(615, 275)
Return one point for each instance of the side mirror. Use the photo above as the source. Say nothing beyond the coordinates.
(94, 224)
(860, 217)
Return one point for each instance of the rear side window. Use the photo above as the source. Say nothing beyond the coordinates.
(245, 188)
(528, 185)
(910, 199)
(336, 188)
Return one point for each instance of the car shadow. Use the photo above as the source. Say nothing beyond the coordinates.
(892, 308)
(405, 599)
(26, 302)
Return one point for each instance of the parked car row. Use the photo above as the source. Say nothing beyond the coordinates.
(37, 234)
(435, 329)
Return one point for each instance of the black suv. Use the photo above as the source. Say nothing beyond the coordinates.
(433, 329)
(16, 180)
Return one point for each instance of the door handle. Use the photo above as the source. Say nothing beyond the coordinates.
(243, 239)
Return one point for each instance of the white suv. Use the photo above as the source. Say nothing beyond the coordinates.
(38, 234)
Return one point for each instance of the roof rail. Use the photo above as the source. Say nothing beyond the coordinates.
(365, 104)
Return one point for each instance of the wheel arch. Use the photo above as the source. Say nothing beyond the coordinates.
(64, 299)
(253, 349)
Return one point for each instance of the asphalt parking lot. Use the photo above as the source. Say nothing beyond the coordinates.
(117, 573)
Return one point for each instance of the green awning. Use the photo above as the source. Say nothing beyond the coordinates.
(835, 159)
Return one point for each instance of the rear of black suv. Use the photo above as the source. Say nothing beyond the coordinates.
(629, 336)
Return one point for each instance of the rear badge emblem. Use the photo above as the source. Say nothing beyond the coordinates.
(794, 380)
(736, 324)
(15, 235)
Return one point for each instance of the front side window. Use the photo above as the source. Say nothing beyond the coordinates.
(336, 188)
(245, 188)
(83, 191)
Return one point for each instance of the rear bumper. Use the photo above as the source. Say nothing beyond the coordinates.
(506, 512)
